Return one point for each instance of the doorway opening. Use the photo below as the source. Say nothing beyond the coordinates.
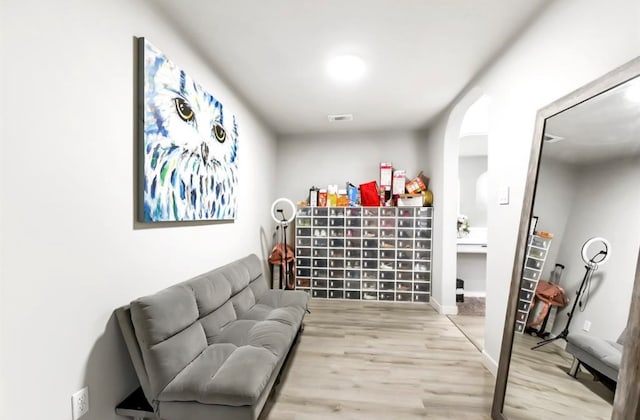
(471, 232)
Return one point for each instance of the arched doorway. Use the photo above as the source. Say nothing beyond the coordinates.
(472, 232)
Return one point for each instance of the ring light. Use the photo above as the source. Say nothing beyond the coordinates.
(283, 211)
(291, 214)
(606, 251)
(591, 265)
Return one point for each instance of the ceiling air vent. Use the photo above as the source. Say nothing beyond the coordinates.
(340, 117)
(550, 138)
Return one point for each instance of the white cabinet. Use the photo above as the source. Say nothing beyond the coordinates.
(537, 251)
(364, 253)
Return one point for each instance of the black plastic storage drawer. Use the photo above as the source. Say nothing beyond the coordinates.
(336, 284)
(389, 296)
(305, 262)
(370, 253)
(352, 294)
(421, 287)
(352, 284)
(386, 285)
(420, 297)
(319, 293)
(336, 263)
(321, 253)
(336, 294)
(320, 284)
(303, 252)
(320, 262)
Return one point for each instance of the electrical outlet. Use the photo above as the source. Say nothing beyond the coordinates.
(80, 403)
(587, 325)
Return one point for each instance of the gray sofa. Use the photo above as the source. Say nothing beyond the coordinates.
(599, 355)
(212, 347)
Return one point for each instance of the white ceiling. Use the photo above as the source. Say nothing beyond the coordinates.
(606, 127)
(419, 53)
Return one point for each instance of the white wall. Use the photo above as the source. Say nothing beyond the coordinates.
(322, 159)
(555, 194)
(440, 151)
(472, 268)
(470, 168)
(444, 216)
(572, 43)
(71, 251)
(606, 204)
(3, 400)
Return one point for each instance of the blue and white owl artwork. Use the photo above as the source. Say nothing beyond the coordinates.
(190, 155)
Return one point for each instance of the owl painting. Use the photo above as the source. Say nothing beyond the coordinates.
(190, 155)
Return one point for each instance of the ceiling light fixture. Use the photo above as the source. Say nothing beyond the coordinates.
(346, 68)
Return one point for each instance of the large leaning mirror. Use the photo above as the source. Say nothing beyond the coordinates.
(571, 346)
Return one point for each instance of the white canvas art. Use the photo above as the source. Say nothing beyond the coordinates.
(190, 150)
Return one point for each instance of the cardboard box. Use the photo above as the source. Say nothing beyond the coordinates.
(386, 172)
(417, 184)
(398, 182)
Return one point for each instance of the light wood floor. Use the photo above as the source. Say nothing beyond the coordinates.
(539, 387)
(472, 327)
(359, 360)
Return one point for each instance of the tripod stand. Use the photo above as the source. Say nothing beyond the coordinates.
(554, 279)
(284, 263)
(565, 332)
(283, 211)
(591, 265)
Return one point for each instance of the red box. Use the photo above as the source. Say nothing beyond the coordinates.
(369, 195)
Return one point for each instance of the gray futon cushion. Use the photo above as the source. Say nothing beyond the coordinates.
(217, 338)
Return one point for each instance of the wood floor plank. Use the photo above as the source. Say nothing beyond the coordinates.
(359, 360)
(539, 386)
(472, 327)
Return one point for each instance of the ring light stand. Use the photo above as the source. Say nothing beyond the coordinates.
(591, 266)
(283, 216)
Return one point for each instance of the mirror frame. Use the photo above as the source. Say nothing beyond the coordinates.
(626, 401)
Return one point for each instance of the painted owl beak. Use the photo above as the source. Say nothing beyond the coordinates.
(204, 152)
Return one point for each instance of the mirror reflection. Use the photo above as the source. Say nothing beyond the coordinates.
(580, 262)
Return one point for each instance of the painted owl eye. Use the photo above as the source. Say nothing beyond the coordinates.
(219, 132)
(184, 109)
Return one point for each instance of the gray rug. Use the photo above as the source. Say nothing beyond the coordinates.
(472, 306)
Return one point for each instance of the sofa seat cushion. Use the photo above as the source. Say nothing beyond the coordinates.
(608, 352)
(236, 332)
(290, 315)
(223, 374)
(274, 336)
(258, 312)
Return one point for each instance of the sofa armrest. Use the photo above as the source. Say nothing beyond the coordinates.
(123, 315)
(602, 355)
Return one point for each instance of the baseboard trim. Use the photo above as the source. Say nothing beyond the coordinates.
(475, 294)
(489, 363)
(442, 309)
